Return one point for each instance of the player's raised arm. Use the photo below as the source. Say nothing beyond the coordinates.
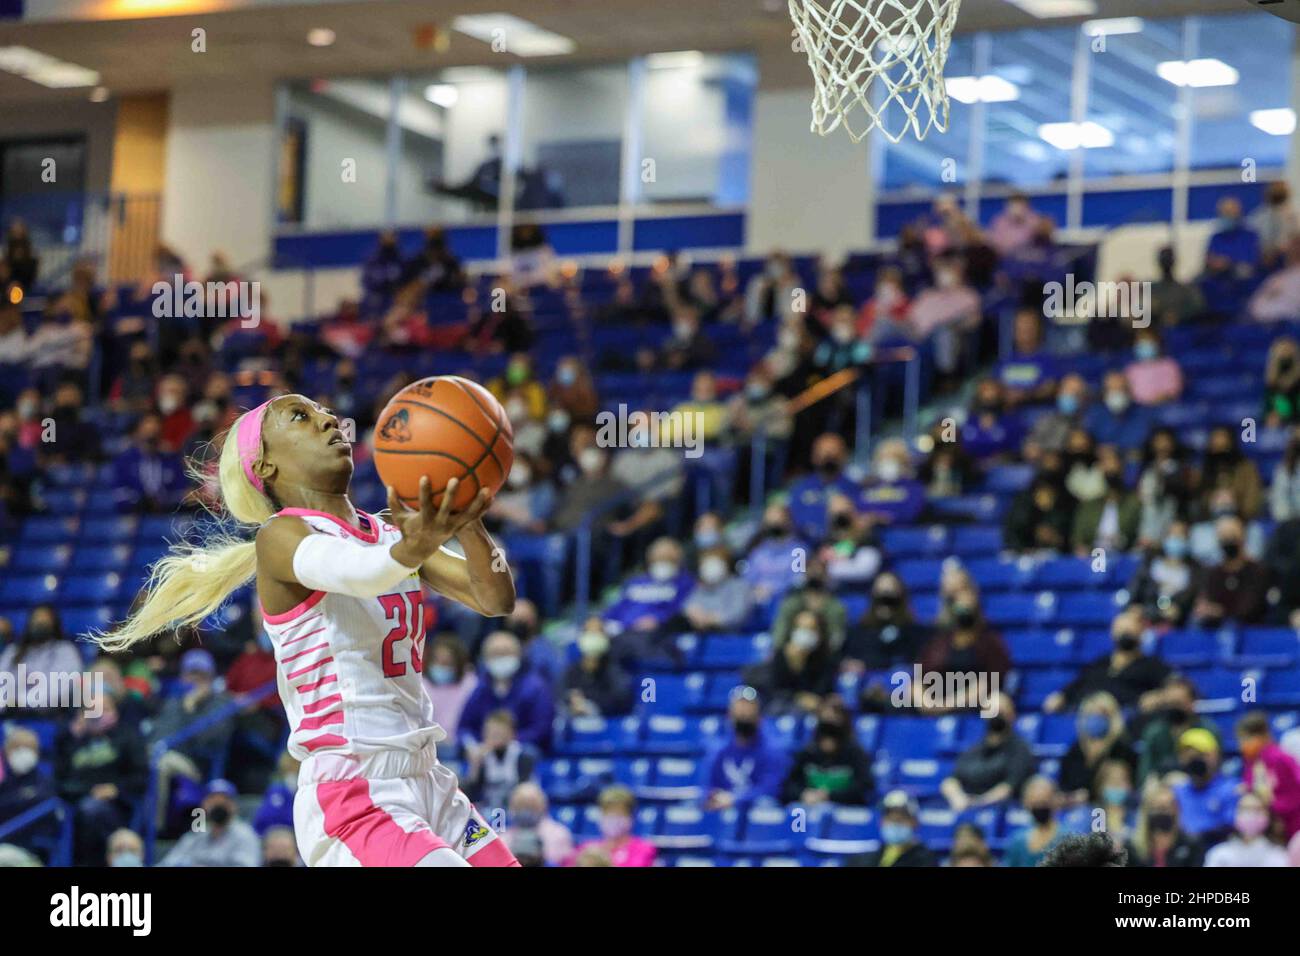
(481, 580)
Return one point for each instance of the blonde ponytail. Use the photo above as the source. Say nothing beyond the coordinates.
(193, 580)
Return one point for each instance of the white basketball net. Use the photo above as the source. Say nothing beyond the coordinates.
(902, 43)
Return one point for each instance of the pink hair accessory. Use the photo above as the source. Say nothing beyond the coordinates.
(248, 441)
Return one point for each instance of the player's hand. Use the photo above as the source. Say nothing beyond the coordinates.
(425, 530)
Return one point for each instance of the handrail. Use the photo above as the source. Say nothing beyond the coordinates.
(51, 806)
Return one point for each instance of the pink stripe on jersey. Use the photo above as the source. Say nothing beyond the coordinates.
(371, 536)
(306, 651)
(495, 853)
(324, 740)
(311, 667)
(324, 720)
(318, 705)
(372, 835)
(302, 637)
(308, 688)
(293, 612)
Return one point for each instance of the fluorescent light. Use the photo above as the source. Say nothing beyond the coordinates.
(675, 60)
(1047, 9)
(1113, 27)
(981, 89)
(511, 34)
(1198, 73)
(321, 36)
(442, 94)
(44, 69)
(1278, 122)
(1086, 135)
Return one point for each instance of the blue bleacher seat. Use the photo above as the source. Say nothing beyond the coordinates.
(903, 737)
(39, 559)
(1188, 648)
(1271, 647)
(844, 830)
(972, 540)
(1041, 648)
(90, 588)
(671, 734)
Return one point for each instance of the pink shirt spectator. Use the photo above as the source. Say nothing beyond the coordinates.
(1009, 234)
(1154, 381)
(936, 308)
(449, 700)
(629, 851)
(557, 841)
(1283, 776)
(1278, 299)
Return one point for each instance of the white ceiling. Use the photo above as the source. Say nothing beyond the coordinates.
(378, 36)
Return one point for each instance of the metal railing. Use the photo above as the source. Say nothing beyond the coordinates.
(62, 854)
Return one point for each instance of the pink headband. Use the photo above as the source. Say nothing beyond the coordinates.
(248, 440)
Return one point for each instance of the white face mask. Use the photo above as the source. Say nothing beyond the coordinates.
(804, 638)
(843, 334)
(592, 643)
(503, 668)
(1117, 402)
(520, 476)
(516, 411)
(663, 570)
(590, 460)
(788, 340)
(558, 421)
(168, 404)
(23, 760)
(713, 570)
(889, 470)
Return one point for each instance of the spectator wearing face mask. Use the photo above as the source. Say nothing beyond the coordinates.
(969, 848)
(74, 438)
(771, 293)
(617, 841)
(1051, 430)
(832, 767)
(1206, 797)
(1159, 840)
(528, 815)
(573, 390)
(1270, 772)
(449, 681)
(527, 502)
(653, 466)
(802, 670)
(518, 380)
(125, 849)
(1248, 845)
(42, 649)
(746, 768)
(884, 316)
(842, 347)
(1153, 378)
(720, 601)
(649, 601)
(1172, 713)
(892, 495)
(996, 768)
(1236, 589)
(1126, 673)
(24, 785)
(499, 764)
(199, 699)
(964, 642)
(810, 496)
(1226, 467)
(1203, 536)
(1111, 519)
(1172, 301)
(1282, 383)
(945, 313)
(1166, 487)
(888, 632)
(1040, 518)
(1117, 419)
(689, 347)
(591, 488)
(595, 685)
(542, 656)
(991, 433)
(505, 685)
(224, 840)
(1284, 492)
(1029, 376)
(900, 845)
(850, 554)
(280, 847)
(770, 565)
(1100, 737)
(146, 478)
(813, 594)
(1030, 844)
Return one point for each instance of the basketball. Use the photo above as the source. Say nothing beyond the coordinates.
(444, 427)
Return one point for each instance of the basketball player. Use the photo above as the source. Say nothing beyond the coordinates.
(341, 601)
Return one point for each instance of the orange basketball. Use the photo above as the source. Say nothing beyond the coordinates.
(445, 427)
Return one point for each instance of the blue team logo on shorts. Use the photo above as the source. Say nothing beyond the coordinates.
(474, 832)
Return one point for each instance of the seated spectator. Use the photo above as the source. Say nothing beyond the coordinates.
(435, 266)
(706, 413)
(593, 487)
(1236, 589)
(42, 650)
(990, 431)
(1165, 584)
(198, 699)
(504, 685)
(996, 768)
(1126, 673)
(829, 294)
(145, 477)
(1248, 845)
(1051, 430)
(519, 379)
(449, 680)
(1159, 839)
(1173, 713)
(1100, 737)
(1012, 230)
(1030, 844)
(770, 294)
(100, 768)
(801, 671)
(1206, 797)
(891, 495)
(1269, 771)
(1111, 521)
(381, 274)
(13, 340)
(1116, 419)
(1278, 299)
(888, 632)
(759, 407)
(721, 600)
(595, 685)
(841, 348)
(1153, 379)
(172, 401)
(529, 814)
(1173, 302)
(1226, 466)
(1275, 222)
(24, 784)
(1203, 536)
(965, 643)
(770, 566)
(1039, 518)
(1234, 247)
(942, 314)
(225, 840)
(573, 390)
(900, 844)
(1166, 487)
(647, 602)
(746, 768)
(75, 439)
(616, 841)
(814, 595)
(969, 848)
(832, 767)
(1284, 492)
(885, 315)
(947, 471)
(280, 847)
(542, 656)
(528, 500)
(60, 346)
(1029, 376)
(499, 764)
(690, 347)
(810, 496)
(125, 849)
(1115, 796)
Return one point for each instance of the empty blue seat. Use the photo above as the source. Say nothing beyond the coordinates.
(998, 574)
(1055, 735)
(920, 574)
(1018, 610)
(1274, 647)
(844, 830)
(922, 776)
(903, 737)
(1281, 688)
(1036, 685)
(1038, 648)
(102, 557)
(26, 590)
(767, 829)
(45, 529)
(976, 539)
(1087, 610)
(670, 778)
(686, 827)
(1188, 648)
(935, 827)
(1068, 573)
(110, 530)
(671, 734)
(39, 559)
(588, 735)
(915, 542)
(732, 650)
(91, 588)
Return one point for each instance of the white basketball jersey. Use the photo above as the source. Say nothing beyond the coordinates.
(349, 669)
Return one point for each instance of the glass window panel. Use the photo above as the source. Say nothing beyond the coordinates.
(572, 137)
(697, 122)
(335, 128)
(452, 129)
(921, 163)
